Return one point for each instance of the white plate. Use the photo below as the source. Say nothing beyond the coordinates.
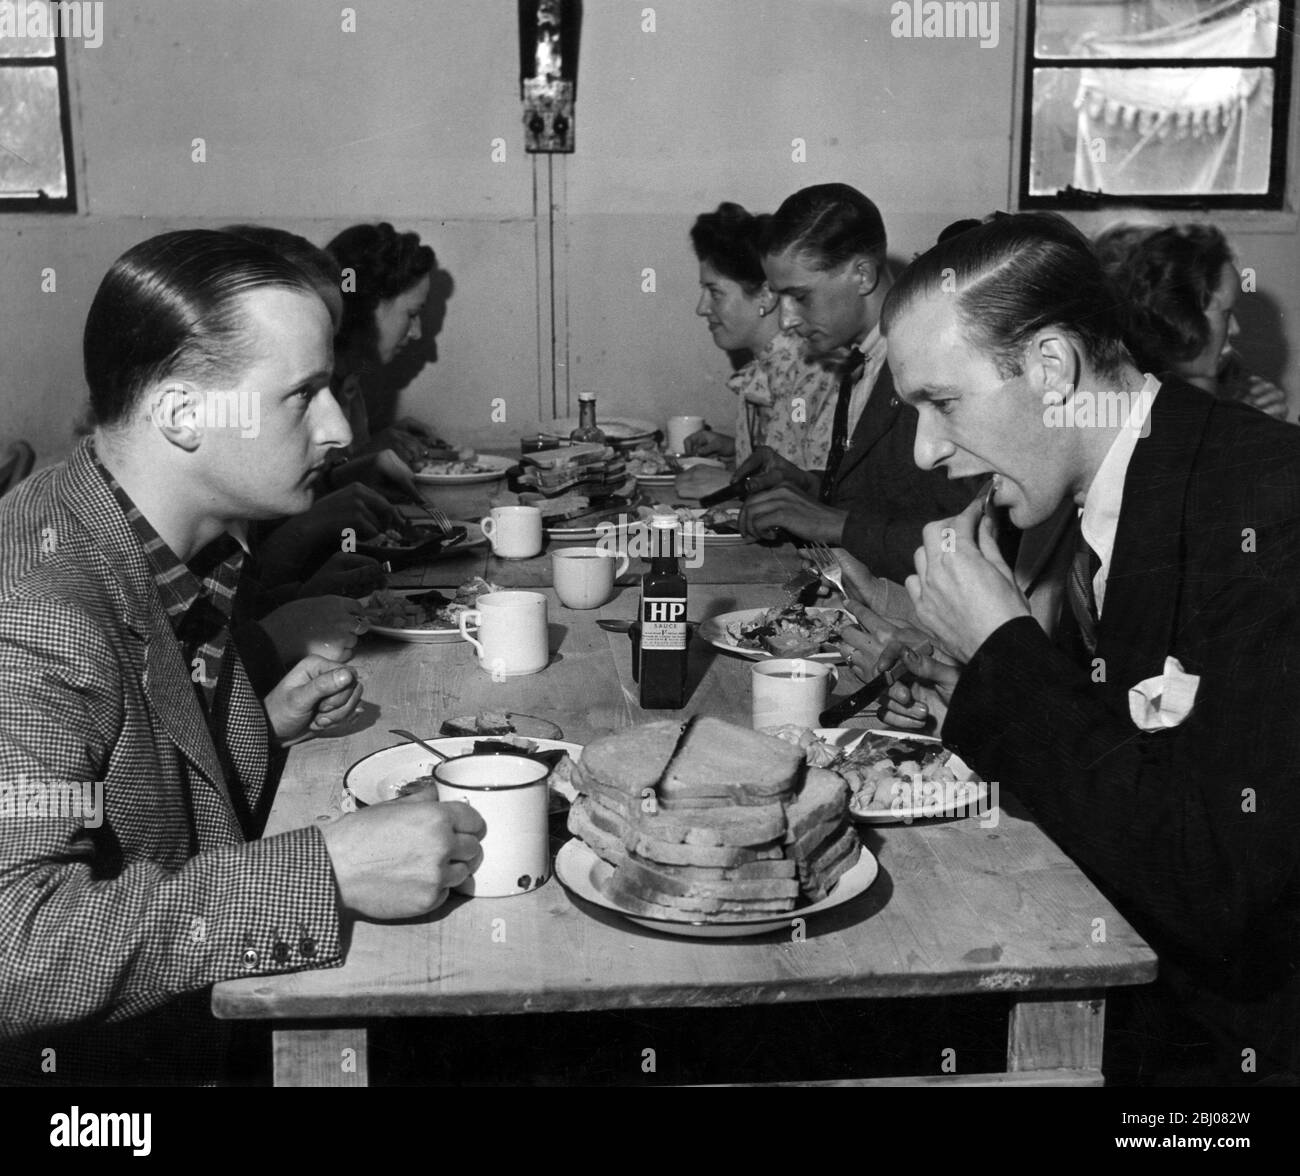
(377, 777)
(583, 872)
(970, 800)
(714, 631)
(656, 481)
(497, 469)
(419, 636)
(618, 429)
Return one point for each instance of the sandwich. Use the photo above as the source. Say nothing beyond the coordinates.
(710, 822)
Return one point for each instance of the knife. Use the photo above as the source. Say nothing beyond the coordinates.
(859, 700)
(726, 494)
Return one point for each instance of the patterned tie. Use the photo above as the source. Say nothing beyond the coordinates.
(1078, 588)
(840, 430)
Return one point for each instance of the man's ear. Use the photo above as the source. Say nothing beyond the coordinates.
(176, 411)
(866, 271)
(767, 300)
(1053, 365)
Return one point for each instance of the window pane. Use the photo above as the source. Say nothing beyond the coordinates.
(1171, 132)
(13, 20)
(31, 136)
(1157, 28)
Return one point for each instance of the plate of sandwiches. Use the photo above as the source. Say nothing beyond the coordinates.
(786, 630)
(407, 767)
(894, 777)
(482, 467)
(709, 830)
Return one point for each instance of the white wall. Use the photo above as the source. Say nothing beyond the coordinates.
(311, 128)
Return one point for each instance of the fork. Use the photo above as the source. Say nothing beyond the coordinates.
(827, 566)
(439, 517)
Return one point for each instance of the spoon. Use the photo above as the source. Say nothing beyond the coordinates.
(416, 739)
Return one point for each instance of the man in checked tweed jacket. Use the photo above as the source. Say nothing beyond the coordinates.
(133, 752)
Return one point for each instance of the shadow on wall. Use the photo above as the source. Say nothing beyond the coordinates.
(393, 379)
(1262, 342)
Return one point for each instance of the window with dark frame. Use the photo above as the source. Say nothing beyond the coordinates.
(35, 134)
(1157, 103)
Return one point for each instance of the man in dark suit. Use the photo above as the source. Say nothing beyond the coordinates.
(826, 260)
(133, 751)
(1155, 736)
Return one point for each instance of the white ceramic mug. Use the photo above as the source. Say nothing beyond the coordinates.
(512, 638)
(790, 690)
(515, 531)
(511, 795)
(584, 576)
(679, 428)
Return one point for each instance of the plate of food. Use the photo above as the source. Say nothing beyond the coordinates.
(587, 875)
(789, 630)
(426, 616)
(718, 526)
(482, 467)
(412, 533)
(407, 767)
(621, 431)
(895, 777)
(595, 524)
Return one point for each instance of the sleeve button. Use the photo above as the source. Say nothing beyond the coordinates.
(251, 957)
(280, 953)
(307, 947)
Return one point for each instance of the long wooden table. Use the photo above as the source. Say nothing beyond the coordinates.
(976, 906)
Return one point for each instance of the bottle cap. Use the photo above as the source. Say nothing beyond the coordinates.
(586, 396)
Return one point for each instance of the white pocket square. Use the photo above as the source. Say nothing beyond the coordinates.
(1164, 701)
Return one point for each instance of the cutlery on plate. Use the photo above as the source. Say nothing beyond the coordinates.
(416, 739)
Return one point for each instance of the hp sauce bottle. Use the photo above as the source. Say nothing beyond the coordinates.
(663, 622)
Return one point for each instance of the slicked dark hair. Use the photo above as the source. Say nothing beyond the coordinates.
(171, 308)
(318, 265)
(384, 263)
(1013, 276)
(1166, 279)
(730, 240)
(830, 224)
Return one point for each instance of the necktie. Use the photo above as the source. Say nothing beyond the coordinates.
(1078, 588)
(840, 429)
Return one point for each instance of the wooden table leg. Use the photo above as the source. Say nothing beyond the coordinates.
(1062, 1032)
(320, 1057)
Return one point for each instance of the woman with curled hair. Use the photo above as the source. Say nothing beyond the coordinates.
(784, 401)
(386, 281)
(1179, 287)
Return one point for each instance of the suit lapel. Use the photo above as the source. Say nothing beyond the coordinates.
(878, 417)
(1143, 587)
(167, 683)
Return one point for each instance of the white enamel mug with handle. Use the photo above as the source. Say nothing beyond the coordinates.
(512, 635)
(584, 576)
(510, 793)
(515, 532)
(790, 690)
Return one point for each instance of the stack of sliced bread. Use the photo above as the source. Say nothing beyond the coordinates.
(711, 823)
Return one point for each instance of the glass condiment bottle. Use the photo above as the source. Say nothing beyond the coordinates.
(587, 432)
(663, 622)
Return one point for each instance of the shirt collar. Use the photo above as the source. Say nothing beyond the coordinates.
(214, 570)
(1099, 519)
